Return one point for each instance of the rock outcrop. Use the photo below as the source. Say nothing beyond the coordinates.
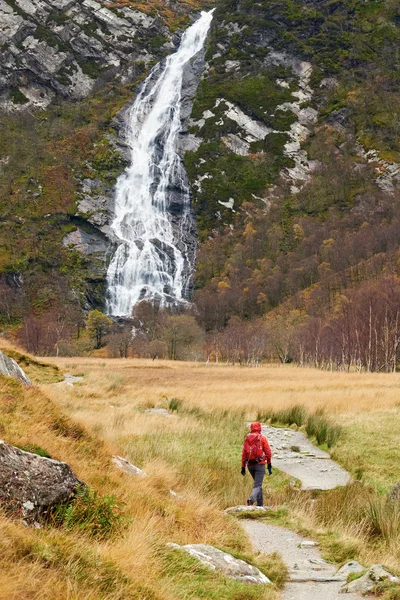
(52, 48)
(31, 486)
(224, 563)
(8, 366)
(367, 582)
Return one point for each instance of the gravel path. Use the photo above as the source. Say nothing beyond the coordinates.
(69, 380)
(313, 467)
(310, 577)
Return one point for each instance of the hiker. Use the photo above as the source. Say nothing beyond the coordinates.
(256, 454)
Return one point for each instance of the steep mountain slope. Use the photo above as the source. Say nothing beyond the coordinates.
(296, 176)
(293, 150)
(59, 164)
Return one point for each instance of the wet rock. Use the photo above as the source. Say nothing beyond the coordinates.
(367, 582)
(8, 366)
(127, 467)
(224, 563)
(31, 486)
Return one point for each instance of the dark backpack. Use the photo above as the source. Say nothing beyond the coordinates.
(254, 450)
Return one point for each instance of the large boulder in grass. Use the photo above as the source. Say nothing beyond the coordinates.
(394, 494)
(9, 367)
(224, 563)
(367, 582)
(31, 486)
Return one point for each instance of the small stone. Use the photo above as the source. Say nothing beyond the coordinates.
(394, 494)
(127, 467)
(158, 411)
(308, 544)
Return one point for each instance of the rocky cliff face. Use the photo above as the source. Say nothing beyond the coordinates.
(65, 48)
(296, 119)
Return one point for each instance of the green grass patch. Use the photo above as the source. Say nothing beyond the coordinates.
(369, 448)
(92, 514)
(35, 450)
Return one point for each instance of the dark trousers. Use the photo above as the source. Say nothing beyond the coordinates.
(257, 472)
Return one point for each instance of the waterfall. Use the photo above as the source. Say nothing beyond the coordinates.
(152, 260)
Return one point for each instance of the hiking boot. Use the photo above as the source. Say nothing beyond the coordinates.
(250, 502)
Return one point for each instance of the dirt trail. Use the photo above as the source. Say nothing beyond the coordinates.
(311, 578)
(313, 467)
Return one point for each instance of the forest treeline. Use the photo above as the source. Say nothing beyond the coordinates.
(362, 332)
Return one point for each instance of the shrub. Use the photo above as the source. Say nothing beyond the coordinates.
(90, 513)
(175, 404)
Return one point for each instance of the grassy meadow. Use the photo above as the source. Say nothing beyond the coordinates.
(114, 546)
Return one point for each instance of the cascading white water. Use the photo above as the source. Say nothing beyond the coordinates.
(151, 261)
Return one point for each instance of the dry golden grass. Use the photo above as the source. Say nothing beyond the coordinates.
(144, 382)
(113, 395)
(56, 563)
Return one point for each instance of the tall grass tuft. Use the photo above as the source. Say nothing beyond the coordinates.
(383, 518)
(317, 425)
(294, 415)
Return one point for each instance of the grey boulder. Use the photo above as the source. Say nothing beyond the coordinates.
(367, 582)
(394, 494)
(31, 486)
(9, 367)
(224, 563)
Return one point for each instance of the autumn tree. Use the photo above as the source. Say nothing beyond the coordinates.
(98, 325)
(179, 332)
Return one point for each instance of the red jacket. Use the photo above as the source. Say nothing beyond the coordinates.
(255, 431)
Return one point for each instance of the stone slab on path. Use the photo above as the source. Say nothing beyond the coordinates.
(313, 467)
(311, 578)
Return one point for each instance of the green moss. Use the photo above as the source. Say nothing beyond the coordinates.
(90, 68)
(157, 41)
(17, 97)
(35, 450)
(46, 35)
